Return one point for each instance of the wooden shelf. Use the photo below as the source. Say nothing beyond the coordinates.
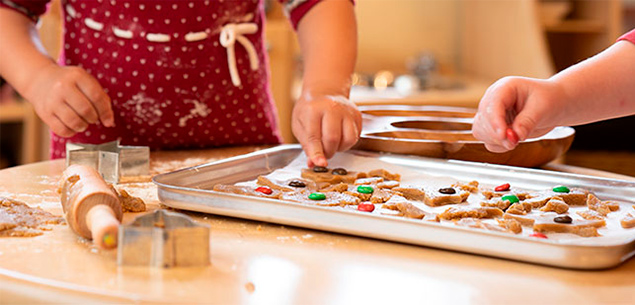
(12, 112)
(591, 27)
(577, 26)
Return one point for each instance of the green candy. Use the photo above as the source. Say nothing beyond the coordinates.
(561, 189)
(365, 189)
(510, 198)
(317, 196)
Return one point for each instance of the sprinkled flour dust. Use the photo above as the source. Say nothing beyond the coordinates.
(198, 109)
(146, 110)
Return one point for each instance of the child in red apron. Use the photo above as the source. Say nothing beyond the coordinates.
(181, 74)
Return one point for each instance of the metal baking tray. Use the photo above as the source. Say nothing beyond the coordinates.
(190, 189)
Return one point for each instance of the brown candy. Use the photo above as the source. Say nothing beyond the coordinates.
(339, 171)
(296, 183)
(320, 169)
(447, 191)
(563, 219)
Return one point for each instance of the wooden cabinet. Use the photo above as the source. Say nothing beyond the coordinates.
(502, 38)
(589, 27)
(20, 129)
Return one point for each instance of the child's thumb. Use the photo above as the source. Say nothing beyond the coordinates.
(524, 124)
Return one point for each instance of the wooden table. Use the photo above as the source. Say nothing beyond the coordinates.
(255, 262)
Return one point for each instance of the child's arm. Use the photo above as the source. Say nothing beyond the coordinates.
(67, 99)
(324, 120)
(601, 87)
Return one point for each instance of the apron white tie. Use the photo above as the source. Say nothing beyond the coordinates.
(229, 35)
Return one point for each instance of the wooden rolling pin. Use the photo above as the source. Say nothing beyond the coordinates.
(90, 206)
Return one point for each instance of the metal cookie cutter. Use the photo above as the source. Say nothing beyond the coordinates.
(110, 159)
(163, 239)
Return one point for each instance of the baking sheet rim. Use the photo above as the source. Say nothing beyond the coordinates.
(628, 247)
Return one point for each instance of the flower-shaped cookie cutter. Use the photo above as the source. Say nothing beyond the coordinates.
(163, 239)
(110, 159)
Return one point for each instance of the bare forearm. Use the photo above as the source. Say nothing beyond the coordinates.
(328, 39)
(601, 87)
(67, 99)
(21, 52)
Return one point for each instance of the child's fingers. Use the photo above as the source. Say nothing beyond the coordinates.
(538, 132)
(496, 112)
(310, 136)
(58, 127)
(496, 109)
(313, 149)
(70, 118)
(331, 133)
(496, 148)
(483, 130)
(98, 98)
(524, 123)
(350, 135)
(81, 105)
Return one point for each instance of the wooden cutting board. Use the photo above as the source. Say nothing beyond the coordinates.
(445, 132)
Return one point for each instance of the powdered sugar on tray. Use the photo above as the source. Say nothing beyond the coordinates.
(611, 234)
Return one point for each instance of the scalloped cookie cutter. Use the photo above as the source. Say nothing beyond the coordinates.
(110, 159)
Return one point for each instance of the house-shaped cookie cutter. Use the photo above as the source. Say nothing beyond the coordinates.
(163, 239)
(110, 159)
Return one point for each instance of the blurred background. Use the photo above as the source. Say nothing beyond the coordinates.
(418, 52)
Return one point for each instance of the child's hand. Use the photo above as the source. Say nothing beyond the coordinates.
(325, 125)
(516, 108)
(68, 99)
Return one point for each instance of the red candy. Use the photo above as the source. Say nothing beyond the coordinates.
(512, 136)
(366, 207)
(502, 187)
(538, 235)
(265, 190)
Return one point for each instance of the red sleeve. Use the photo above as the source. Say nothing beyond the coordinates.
(296, 9)
(29, 8)
(630, 36)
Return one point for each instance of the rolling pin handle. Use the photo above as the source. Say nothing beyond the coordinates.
(103, 225)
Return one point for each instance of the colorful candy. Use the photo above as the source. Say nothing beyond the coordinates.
(512, 136)
(265, 190)
(538, 235)
(563, 219)
(320, 169)
(510, 198)
(366, 207)
(502, 187)
(561, 189)
(110, 240)
(317, 196)
(447, 191)
(339, 171)
(297, 183)
(365, 189)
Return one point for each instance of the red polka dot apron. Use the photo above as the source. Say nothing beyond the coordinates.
(181, 74)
